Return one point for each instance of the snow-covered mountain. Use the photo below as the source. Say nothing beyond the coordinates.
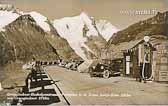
(12, 20)
(71, 28)
(81, 35)
(80, 30)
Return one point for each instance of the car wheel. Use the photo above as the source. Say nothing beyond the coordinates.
(106, 74)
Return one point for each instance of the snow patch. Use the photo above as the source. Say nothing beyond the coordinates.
(7, 17)
(40, 20)
(106, 29)
(89, 23)
(2, 30)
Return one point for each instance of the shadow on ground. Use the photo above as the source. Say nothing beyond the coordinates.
(39, 95)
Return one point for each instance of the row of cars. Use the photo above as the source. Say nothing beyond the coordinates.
(72, 65)
(97, 68)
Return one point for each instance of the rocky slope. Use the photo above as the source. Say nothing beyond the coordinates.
(6, 50)
(23, 39)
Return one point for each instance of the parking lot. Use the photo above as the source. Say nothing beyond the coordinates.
(81, 89)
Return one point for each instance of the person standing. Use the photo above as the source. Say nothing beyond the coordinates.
(34, 69)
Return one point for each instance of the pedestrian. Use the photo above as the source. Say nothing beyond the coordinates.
(34, 69)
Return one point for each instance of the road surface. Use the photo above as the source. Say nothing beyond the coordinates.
(80, 89)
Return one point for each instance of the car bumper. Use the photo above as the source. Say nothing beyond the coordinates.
(96, 73)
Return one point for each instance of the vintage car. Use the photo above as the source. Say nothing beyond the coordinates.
(73, 65)
(105, 70)
(63, 63)
(68, 65)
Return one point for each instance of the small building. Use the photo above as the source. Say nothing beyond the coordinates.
(134, 59)
(156, 62)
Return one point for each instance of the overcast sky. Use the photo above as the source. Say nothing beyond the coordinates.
(111, 10)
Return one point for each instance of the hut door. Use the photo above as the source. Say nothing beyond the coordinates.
(127, 65)
(127, 68)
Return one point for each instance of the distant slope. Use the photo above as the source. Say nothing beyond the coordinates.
(156, 25)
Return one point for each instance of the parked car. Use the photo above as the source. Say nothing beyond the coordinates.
(105, 70)
(74, 66)
(62, 63)
(68, 65)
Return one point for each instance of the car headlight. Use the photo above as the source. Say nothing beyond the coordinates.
(102, 67)
(94, 67)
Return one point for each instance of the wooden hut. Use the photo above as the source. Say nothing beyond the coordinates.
(134, 59)
(157, 59)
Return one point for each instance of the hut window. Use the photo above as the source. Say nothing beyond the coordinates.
(163, 68)
(128, 58)
(164, 60)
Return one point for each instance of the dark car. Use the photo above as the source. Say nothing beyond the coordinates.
(104, 70)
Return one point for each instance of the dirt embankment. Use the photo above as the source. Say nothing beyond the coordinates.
(12, 78)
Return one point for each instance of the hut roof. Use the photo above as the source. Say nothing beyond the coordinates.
(116, 51)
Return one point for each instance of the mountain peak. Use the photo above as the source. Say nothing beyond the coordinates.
(83, 13)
